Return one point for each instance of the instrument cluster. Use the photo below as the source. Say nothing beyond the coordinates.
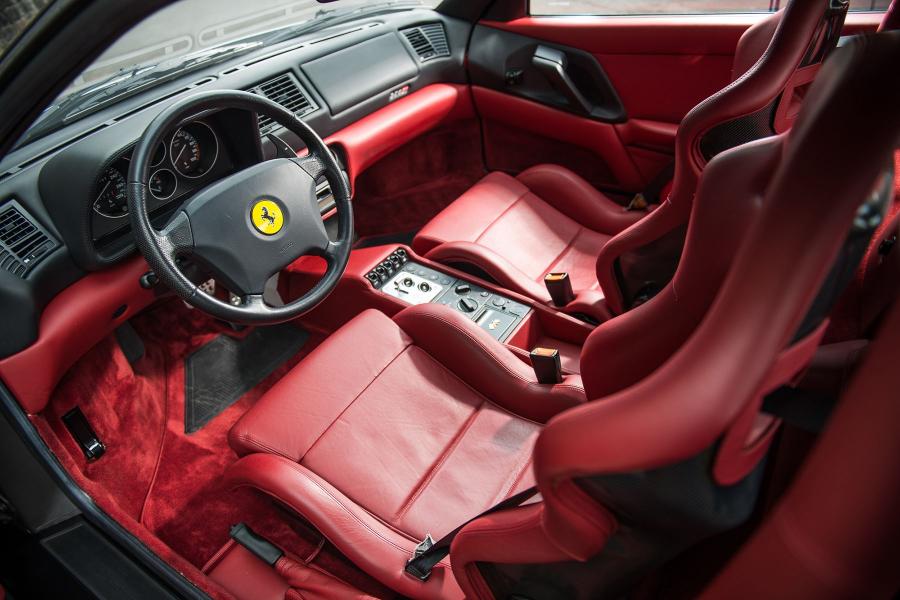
(188, 154)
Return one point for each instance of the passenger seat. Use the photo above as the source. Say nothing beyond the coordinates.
(516, 230)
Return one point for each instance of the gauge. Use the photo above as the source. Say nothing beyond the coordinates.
(194, 149)
(162, 184)
(159, 155)
(111, 200)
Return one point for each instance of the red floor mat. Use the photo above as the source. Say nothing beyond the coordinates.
(160, 476)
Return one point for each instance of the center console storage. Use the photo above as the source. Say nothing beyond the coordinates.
(414, 283)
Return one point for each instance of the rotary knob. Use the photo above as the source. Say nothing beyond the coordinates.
(467, 305)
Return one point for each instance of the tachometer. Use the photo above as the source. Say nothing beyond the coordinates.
(194, 149)
(111, 200)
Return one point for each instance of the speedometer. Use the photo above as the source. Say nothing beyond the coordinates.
(186, 152)
(111, 200)
(194, 149)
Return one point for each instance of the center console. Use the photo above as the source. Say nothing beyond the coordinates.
(401, 277)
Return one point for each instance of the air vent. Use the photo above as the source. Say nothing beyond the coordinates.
(428, 41)
(286, 91)
(22, 242)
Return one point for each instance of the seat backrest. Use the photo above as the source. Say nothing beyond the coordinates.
(775, 62)
(629, 480)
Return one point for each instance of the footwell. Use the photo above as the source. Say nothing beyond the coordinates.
(156, 478)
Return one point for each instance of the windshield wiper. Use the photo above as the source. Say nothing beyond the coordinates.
(127, 83)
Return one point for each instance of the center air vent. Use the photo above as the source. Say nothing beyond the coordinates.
(22, 242)
(428, 41)
(286, 91)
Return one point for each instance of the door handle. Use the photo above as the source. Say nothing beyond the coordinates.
(552, 63)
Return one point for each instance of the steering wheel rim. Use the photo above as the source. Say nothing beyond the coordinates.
(289, 181)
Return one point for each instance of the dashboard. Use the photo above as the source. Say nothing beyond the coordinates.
(69, 186)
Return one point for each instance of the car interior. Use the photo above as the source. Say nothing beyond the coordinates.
(465, 300)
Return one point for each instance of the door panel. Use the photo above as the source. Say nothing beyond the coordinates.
(656, 68)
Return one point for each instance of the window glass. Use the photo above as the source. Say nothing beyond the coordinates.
(15, 17)
(674, 7)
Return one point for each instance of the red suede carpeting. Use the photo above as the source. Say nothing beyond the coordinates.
(167, 480)
(404, 190)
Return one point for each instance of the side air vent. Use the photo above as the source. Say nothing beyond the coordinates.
(286, 91)
(428, 41)
(23, 243)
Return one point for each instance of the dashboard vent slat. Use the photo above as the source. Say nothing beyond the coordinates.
(23, 243)
(286, 91)
(428, 41)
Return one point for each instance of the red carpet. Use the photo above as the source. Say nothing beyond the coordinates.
(164, 479)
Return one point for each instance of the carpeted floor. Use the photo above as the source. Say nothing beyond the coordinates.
(164, 478)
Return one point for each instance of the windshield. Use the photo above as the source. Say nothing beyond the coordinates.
(188, 27)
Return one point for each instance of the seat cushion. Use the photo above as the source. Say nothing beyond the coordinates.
(386, 429)
(519, 229)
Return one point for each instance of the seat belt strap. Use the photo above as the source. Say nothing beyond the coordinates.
(429, 553)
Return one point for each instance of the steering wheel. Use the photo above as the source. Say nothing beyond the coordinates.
(248, 226)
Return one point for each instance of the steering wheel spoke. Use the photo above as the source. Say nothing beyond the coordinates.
(312, 163)
(176, 239)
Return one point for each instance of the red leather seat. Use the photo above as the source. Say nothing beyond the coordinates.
(548, 219)
(394, 428)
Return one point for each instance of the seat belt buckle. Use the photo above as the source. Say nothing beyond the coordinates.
(412, 568)
(546, 365)
(638, 202)
(559, 286)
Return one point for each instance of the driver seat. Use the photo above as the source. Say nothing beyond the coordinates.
(397, 428)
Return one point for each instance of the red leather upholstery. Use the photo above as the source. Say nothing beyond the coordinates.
(412, 435)
(834, 534)
(550, 217)
(395, 428)
(550, 231)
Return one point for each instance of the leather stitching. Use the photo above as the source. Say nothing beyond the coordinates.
(500, 216)
(448, 451)
(355, 398)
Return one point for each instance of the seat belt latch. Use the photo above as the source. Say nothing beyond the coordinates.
(559, 285)
(546, 365)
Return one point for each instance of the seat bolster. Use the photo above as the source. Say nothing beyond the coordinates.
(376, 548)
(486, 364)
(579, 200)
(326, 383)
(511, 536)
(664, 219)
(500, 269)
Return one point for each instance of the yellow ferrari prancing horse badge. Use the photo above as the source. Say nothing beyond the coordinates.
(267, 217)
